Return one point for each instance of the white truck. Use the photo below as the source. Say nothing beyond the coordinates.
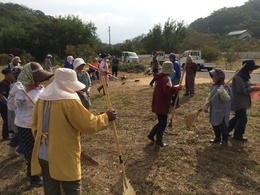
(161, 57)
(196, 56)
(128, 56)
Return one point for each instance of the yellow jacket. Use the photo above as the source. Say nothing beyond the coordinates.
(68, 118)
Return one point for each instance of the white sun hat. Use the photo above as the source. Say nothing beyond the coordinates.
(64, 86)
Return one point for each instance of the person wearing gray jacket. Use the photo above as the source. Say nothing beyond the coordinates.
(241, 100)
(219, 106)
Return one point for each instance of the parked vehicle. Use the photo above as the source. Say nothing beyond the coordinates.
(161, 57)
(128, 56)
(196, 56)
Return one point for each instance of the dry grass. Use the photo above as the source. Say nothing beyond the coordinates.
(189, 165)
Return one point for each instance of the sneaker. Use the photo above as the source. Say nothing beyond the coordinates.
(36, 180)
(161, 144)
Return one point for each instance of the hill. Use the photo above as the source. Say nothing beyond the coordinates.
(226, 20)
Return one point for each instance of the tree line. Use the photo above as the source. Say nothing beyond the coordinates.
(32, 35)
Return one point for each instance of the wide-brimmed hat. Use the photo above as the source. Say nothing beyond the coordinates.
(64, 86)
(39, 74)
(77, 62)
(167, 67)
(103, 55)
(17, 58)
(250, 64)
(49, 56)
(6, 71)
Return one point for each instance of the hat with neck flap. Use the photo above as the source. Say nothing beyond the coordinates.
(64, 86)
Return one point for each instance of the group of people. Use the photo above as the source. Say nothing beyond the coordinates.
(42, 115)
(221, 100)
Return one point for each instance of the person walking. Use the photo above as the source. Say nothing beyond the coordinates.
(241, 100)
(155, 66)
(163, 91)
(59, 119)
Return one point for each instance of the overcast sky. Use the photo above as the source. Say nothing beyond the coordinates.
(128, 19)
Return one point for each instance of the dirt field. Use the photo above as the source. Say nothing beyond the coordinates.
(189, 165)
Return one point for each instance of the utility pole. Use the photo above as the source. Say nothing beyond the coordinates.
(109, 35)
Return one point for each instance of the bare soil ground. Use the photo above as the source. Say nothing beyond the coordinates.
(189, 165)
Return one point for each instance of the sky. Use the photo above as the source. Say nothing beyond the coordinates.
(128, 19)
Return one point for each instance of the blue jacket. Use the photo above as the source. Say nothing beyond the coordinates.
(175, 77)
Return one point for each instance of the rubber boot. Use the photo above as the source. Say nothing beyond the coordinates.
(100, 88)
(217, 138)
(224, 137)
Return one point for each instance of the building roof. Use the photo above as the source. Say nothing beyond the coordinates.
(239, 32)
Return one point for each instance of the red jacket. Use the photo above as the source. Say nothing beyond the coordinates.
(162, 94)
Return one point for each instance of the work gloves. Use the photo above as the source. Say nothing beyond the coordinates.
(224, 96)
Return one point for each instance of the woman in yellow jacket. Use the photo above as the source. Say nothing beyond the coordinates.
(58, 120)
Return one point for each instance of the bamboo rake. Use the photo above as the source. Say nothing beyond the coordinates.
(128, 189)
(191, 118)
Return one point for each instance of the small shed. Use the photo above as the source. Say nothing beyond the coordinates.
(241, 34)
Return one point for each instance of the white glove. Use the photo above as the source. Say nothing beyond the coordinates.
(85, 94)
(221, 89)
(17, 87)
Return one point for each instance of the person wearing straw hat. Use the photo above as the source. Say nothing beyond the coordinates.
(163, 91)
(84, 78)
(219, 106)
(15, 62)
(58, 120)
(21, 99)
(241, 100)
(191, 69)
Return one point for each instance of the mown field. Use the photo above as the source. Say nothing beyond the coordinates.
(189, 165)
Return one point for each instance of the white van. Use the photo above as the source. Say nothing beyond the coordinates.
(128, 56)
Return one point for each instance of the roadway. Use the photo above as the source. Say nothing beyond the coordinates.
(255, 77)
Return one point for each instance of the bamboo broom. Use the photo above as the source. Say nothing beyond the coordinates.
(128, 189)
(191, 118)
(177, 95)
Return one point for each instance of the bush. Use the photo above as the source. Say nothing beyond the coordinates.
(132, 67)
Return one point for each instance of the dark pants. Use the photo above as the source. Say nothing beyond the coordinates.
(238, 122)
(159, 128)
(3, 112)
(53, 187)
(155, 70)
(114, 70)
(221, 130)
(28, 143)
(16, 141)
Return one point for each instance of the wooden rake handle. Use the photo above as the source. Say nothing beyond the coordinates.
(25, 93)
(181, 79)
(115, 132)
(224, 85)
